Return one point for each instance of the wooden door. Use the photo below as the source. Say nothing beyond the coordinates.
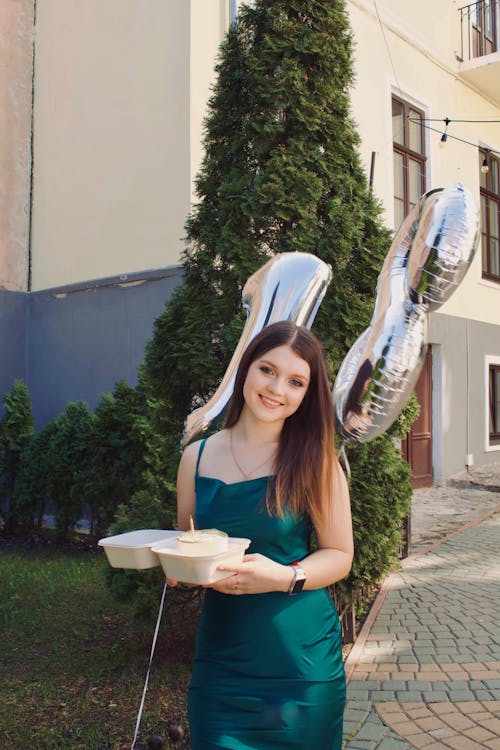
(417, 446)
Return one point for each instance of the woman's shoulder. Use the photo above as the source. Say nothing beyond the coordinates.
(216, 446)
(212, 449)
(213, 442)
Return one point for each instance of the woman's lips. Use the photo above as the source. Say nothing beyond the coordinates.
(270, 403)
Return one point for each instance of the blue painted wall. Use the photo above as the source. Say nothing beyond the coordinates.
(13, 336)
(73, 343)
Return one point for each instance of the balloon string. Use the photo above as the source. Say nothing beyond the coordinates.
(139, 715)
(345, 460)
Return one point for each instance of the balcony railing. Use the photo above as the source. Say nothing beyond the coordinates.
(479, 24)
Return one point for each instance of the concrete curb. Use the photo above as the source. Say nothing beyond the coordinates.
(389, 582)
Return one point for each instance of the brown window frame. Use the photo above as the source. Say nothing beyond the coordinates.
(407, 154)
(484, 43)
(494, 429)
(489, 196)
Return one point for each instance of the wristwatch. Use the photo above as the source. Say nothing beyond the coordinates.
(299, 579)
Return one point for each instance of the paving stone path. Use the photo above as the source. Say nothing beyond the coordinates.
(425, 671)
(437, 511)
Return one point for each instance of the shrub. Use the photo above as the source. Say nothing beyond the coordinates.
(152, 507)
(380, 499)
(119, 447)
(31, 494)
(69, 458)
(16, 434)
(402, 425)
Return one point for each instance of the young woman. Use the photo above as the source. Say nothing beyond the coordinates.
(268, 671)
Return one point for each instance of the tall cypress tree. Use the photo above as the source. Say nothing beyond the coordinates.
(281, 173)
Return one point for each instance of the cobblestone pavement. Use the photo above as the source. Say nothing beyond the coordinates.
(437, 511)
(425, 670)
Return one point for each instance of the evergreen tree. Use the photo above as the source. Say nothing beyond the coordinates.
(119, 454)
(16, 433)
(69, 456)
(31, 494)
(281, 173)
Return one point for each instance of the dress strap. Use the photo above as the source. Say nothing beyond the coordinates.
(202, 447)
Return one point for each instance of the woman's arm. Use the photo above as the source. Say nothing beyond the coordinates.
(329, 564)
(185, 490)
(185, 485)
(333, 560)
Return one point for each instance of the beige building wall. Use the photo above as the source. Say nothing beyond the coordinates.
(16, 73)
(209, 23)
(416, 60)
(120, 92)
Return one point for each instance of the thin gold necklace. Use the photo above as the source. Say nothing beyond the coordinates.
(243, 474)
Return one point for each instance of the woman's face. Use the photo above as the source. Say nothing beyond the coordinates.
(276, 384)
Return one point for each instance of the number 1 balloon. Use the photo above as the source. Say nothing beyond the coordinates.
(290, 286)
(428, 258)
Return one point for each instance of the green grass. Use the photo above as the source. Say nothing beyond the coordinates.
(73, 660)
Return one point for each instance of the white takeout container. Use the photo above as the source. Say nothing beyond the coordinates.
(201, 569)
(133, 549)
(202, 542)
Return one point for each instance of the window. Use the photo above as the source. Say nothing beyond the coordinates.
(483, 27)
(235, 6)
(494, 401)
(490, 214)
(409, 157)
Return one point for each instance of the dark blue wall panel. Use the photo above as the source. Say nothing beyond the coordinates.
(82, 339)
(13, 311)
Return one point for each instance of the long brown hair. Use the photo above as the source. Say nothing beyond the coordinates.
(305, 462)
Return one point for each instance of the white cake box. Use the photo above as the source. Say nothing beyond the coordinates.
(199, 569)
(133, 549)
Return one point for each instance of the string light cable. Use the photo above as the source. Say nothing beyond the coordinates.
(448, 120)
(445, 135)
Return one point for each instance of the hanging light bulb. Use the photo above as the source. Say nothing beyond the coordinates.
(484, 167)
(444, 137)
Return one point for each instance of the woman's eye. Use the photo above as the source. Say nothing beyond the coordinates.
(296, 383)
(266, 370)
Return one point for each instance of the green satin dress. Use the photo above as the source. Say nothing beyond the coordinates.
(268, 672)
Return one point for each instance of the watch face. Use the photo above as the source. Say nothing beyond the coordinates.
(298, 585)
(300, 579)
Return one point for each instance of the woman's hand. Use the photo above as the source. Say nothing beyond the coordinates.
(257, 574)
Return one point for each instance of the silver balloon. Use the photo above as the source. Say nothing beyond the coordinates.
(444, 244)
(429, 256)
(291, 287)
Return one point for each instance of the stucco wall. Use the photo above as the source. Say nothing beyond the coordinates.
(117, 119)
(419, 65)
(459, 392)
(433, 26)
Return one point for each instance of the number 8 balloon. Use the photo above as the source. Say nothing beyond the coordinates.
(428, 258)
